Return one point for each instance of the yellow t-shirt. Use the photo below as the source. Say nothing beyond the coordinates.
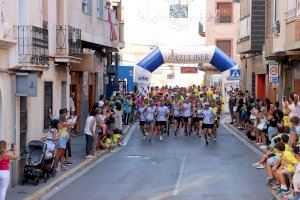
(288, 155)
(286, 121)
(64, 133)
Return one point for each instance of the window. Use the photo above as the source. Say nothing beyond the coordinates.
(179, 11)
(100, 8)
(225, 46)
(87, 6)
(276, 11)
(23, 126)
(48, 103)
(224, 13)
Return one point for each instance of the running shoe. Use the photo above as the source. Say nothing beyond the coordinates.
(261, 166)
(144, 138)
(271, 181)
(206, 142)
(215, 139)
(161, 138)
(150, 140)
(175, 134)
(255, 164)
(282, 192)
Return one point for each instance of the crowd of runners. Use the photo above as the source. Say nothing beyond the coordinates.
(188, 111)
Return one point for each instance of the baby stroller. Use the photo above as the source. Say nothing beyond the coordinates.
(49, 166)
(33, 169)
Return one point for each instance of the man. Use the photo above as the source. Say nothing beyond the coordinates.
(162, 113)
(232, 103)
(275, 117)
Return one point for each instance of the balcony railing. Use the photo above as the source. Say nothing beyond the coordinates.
(290, 15)
(68, 41)
(32, 45)
(244, 29)
(223, 20)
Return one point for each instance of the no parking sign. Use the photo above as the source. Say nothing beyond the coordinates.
(273, 72)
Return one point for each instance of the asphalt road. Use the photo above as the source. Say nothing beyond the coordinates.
(176, 168)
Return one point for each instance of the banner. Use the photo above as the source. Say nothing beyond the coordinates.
(143, 80)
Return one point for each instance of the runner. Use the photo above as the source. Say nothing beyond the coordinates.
(149, 114)
(187, 116)
(142, 119)
(176, 113)
(162, 113)
(170, 118)
(208, 122)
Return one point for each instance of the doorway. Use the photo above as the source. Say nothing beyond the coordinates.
(261, 86)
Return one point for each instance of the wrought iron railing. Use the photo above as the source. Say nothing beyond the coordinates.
(32, 45)
(223, 20)
(290, 15)
(68, 41)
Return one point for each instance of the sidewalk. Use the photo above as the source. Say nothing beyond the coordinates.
(29, 191)
(259, 151)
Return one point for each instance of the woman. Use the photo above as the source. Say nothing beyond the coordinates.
(63, 127)
(127, 110)
(5, 157)
(90, 132)
(118, 117)
(291, 108)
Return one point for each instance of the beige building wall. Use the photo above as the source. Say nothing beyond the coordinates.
(214, 31)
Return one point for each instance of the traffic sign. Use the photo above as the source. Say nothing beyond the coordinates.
(273, 72)
(235, 74)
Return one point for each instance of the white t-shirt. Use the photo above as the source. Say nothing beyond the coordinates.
(296, 179)
(295, 110)
(101, 103)
(176, 109)
(187, 109)
(208, 116)
(88, 122)
(162, 112)
(150, 111)
(141, 113)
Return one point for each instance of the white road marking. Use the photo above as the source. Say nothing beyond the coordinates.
(176, 189)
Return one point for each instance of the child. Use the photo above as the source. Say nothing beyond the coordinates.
(294, 129)
(288, 162)
(296, 177)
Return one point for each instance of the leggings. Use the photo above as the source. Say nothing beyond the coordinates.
(4, 182)
(89, 144)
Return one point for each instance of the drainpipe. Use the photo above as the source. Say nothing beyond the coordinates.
(14, 124)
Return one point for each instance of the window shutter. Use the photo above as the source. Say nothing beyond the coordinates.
(225, 11)
(225, 46)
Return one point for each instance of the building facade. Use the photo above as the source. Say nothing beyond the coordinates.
(250, 46)
(50, 49)
(282, 44)
(220, 26)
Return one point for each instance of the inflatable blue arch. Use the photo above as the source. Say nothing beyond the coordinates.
(201, 54)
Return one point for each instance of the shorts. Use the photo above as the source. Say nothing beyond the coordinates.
(196, 119)
(62, 142)
(272, 160)
(207, 126)
(161, 123)
(150, 122)
(177, 118)
(186, 119)
(142, 123)
(170, 118)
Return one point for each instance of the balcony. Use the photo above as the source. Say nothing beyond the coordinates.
(32, 46)
(68, 44)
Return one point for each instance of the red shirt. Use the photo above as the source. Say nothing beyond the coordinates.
(4, 163)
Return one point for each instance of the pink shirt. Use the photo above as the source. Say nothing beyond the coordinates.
(4, 163)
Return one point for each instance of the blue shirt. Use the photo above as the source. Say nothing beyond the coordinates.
(127, 106)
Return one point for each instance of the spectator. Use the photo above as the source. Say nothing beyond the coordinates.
(5, 157)
(118, 117)
(274, 117)
(294, 130)
(296, 177)
(232, 103)
(101, 101)
(90, 131)
(127, 109)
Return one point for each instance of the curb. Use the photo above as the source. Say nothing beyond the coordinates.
(56, 182)
(238, 134)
